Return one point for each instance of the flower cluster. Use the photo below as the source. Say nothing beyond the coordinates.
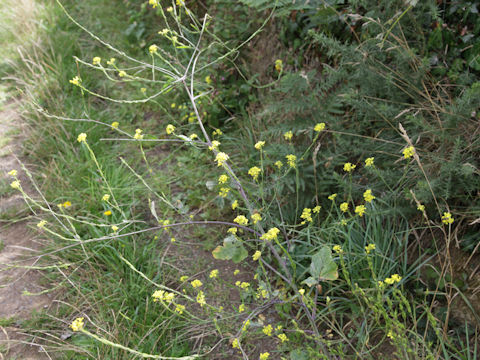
(408, 152)
(307, 214)
(77, 324)
(349, 167)
(291, 160)
(367, 195)
(162, 295)
(271, 234)
(256, 218)
(254, 172)
(319, 127)
(241, 220)
(395, 278)
(447, 218)
(221, 158)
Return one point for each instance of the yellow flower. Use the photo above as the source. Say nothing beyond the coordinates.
(360, 210)
(196, 283)
(256, 218)
(111, 61)
(180, 3)
(349, 167)
(288, 135)
(208, 79)
(408, 152)
(267, 330)
(15, 184)
(217, 132)
(421, 207)
(154, 3)
(291, 160)
(278, 65)
(282, 337)
(245, 326)
(106, 197)
(264, 356)
(172, 239)
(76, 81)
(254, 172)
(257, 255)
(259, 145)
(215, 145)
(194, 136)
(338, 249)
(114, 228)
(67, 204)
(143, 90)
(307, 214)
(241, 308)
(278, 164)
(213, 273)
(241, 220)
(122, 73)
(201, 298)
(138, 134)
(395, 278)
(107, 213)
(369, 162)
(390, 334)
(82, 137)
(271, 234)
(232, 230)
(316, 209)
(153, 49)
(179, 308)
(115, 124)
(169, 9)
(235, 343)
(343, 222)
(332, 197)
(447, 218)
(369, 248)
(367, 195)
(223, 192)
(77, 324)
(12, 173)
(163, 33)
(302, 292)
(96, 60)
(244, 285)
(223, 179)
(344, 206)
(236, 272)
(170, 129)
(319, 127)
(183, 278)
(42, 224)
(234, 204)
(221, 158)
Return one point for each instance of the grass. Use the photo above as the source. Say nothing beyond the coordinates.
(341, 305)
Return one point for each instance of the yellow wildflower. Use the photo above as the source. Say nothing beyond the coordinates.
(122, 73)
(215, 145)
(256, 218)
(201, 298)
(162, 295)
(408, 152)
(82, 137)
(332, 197)
(344, 206)
(236, 272)
(153, 49)
(194, 136)
(170, 129)
(77, 324)
(213, 273)
(67, 204)
(196, 283)
(115, 125)
(172, 239)
(76, 81)
(241, 220)
(244, 285)
(447, 218)
(367, 195)
(106, 197)
(307, 214)
(338, 249)
(259, 145)
(421, 207)
(169, 9)
(232, 230)
(264, 356)
(154, 3)
(257, 255)
(222, 179)
(143, 90)
(42, 224)
(278, 65)
(390, 334)
(316, 209)
(223, 192)
(208, 79)
(111, 61)
(369, 248)
(395, 278)
(96, 60)
(288, 135)
(183, 278)
(179, 308)
(254, 172)
(319, 127)
(278, 164)
(282, 337)
(360, 210)
(291, 160)
(234, 204)
(267, 330)
(12, 173)
(138, 134)
(114, 228)
(107, 213)
(15, 184)
(221, 158)
(241, 308)
(271, 234)
(245, 326)
(217, 132)
(369, 162)
(349, 167)
(235, 343)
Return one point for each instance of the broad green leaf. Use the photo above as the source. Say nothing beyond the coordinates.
(323, 267)
(232, 249)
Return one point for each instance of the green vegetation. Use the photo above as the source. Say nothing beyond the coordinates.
(329, 150)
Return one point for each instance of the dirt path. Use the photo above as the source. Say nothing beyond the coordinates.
(18, 247)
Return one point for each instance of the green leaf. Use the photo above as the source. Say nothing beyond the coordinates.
(323, 267)
(232, 249)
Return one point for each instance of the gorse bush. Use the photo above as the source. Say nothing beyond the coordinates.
(316, 175)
